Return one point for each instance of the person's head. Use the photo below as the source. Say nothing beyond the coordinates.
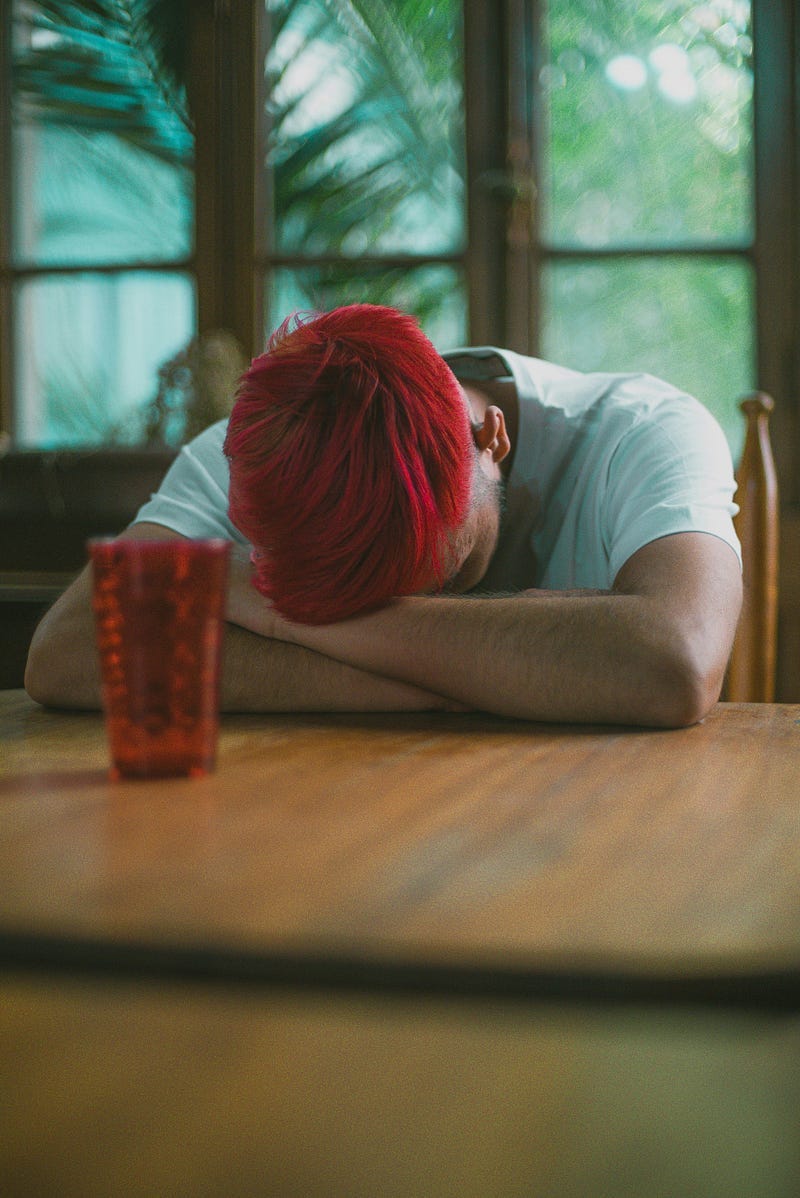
(353, 469)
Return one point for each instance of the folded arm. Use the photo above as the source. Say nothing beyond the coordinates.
(258, 674)
(652, 651)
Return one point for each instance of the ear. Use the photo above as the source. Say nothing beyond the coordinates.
(492, 436)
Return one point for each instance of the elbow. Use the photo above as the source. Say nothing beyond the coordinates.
(39, 680)
(51, 686)
(686, 688)
(56, 678)
(686, 703)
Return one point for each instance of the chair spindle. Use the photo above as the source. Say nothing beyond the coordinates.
(751, 673)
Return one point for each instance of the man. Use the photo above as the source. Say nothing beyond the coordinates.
(376, 567)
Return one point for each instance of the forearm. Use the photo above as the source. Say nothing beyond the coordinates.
(598, 658)
(266, 673)
(263, 675)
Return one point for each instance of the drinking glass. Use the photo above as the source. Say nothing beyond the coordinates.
(159, 608)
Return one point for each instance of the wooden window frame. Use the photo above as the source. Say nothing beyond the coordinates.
(503, 256)
(269, 259)
(6, 280)
(506, 252)
(11, 273)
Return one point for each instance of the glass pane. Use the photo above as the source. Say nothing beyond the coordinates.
(436, 295)
(89, 349)
(366, 111)
(688, 321)
(647, 111)
(102, 147)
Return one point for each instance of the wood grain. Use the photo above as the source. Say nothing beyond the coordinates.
(438, 838)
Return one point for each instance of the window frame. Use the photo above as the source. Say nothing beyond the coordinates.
(504, 254)
(269, 259)
(506, 268)
(502, 197)
(11, 272)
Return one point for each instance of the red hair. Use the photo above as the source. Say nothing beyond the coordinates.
(350, 462)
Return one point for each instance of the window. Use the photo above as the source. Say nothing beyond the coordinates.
(110, 268)
(568, 178)
(365, 161)
(97, 278)
(647, 219)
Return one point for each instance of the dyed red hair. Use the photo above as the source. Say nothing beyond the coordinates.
(350, 462)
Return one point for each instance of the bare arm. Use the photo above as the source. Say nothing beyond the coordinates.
(652, 651)
(258, 674)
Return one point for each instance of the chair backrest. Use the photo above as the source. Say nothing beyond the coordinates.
(751, 673)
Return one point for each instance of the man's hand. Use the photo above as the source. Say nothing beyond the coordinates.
(245, 605)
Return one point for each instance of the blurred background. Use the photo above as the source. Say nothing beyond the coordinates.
(611, 184)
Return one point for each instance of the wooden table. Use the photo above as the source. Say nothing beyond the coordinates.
(404, 955)
(454, 844)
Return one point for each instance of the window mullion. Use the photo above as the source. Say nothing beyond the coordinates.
(522, 223)
(777, 162)
(486, 140)
(224, 95)
(6, 281)
(502, 210)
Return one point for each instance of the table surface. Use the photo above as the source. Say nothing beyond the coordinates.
(145, 1060)
(438, 841)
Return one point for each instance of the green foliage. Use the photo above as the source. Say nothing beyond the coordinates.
(658, 154)
(665, 159)
(115, 66)
(378, 169)
(366, 152)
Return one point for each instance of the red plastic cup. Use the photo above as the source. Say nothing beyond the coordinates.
(159, 608)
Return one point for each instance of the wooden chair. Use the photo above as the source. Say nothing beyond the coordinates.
(751, 673)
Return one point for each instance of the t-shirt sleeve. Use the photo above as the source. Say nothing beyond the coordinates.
(193, 497)
(669, 475)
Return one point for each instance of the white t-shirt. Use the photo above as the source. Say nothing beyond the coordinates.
(603, 464)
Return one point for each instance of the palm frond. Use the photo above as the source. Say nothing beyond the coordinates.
(393, 49)
(396, 142)
(116, 66)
